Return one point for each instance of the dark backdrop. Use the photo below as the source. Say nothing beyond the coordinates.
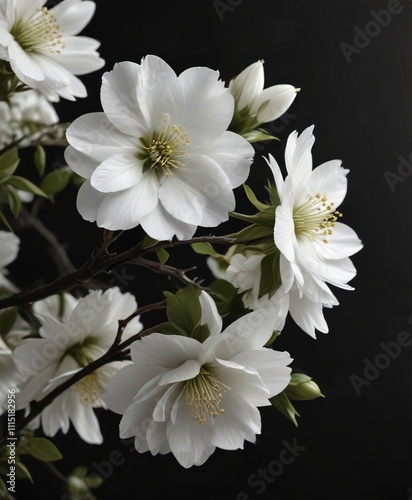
(356, 82)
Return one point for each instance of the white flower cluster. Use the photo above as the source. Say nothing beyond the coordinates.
(166, 153)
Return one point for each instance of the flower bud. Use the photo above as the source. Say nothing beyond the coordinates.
(303, 388)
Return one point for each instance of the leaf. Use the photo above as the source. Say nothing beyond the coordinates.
(56, 181)
(205, 249)
(26, 185)
(252, 233)
(14, 200)
(40, 448)
(149, 242)
(163, 255)
(9, 161)
(184, 310)
(7, 319)
(228, 299)
(5, 221)
(270, 280)
(22, 471)
(40, 159)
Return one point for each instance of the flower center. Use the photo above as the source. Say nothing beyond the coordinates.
(89, 389)
(39, 32)
(167, 148)
(316, 218)
(204, 395)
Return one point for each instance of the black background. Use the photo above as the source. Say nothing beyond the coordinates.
(355, 446)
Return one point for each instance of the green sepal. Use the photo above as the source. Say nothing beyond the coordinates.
(270, 280)
(56, 181)
(253, 232)
(9, 162)
(40, 448)
(282, 403)
(252, 198)
(259, 135)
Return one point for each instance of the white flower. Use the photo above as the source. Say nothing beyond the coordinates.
(315, 247)
(25, 114)
(245, 273)
(159, 155)
(9, 248)
(188, 398)
(59, 307)
(256, 105)
(66, 347)
(43, 49)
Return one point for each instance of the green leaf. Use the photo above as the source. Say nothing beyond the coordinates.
(184, 310)
(40, 159)
(7, 319)
(14, 200)
(26, 185)
(270, 280)
(253, 232)
(56, 181)
(22, 471)
(252, 198)
(5, 221)
(228, 299)
(205, 249)
(9, 161)
(163, 255)
(149, 242)
(40, 448)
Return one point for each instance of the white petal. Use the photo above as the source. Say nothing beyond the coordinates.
(24, 63)
(278, 98)
(72, 17)
(160, 225)
(9, 248)
(125, 209)
(272, 367)
(80, 62)
(89, 201)
(277, 175)
(284, 231)
(329, 179)
(241, 421)
(199, 194)
(248, 84)
(307, 314)
(80, 163)
(189, 442)
(233, 154)
(199, 102)
(343, 243)
(298, 156)
(210, 315)
(85, 422)
(94, 135)
(120, 171)
(174, 350)
(120, 99)
(157, 438)
(186, 371)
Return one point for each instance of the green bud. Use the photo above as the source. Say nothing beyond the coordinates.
(303, 388)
